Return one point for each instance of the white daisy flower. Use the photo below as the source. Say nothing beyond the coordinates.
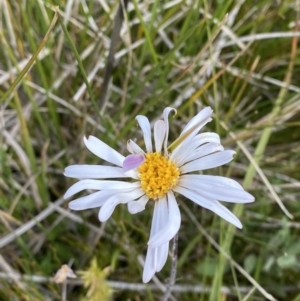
(157, 174)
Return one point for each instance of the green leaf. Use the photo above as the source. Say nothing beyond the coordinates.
(287, 261)
(268, 265)
(250, 262)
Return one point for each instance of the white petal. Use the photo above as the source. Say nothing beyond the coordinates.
(157, 257)
(172, 227)
(98, 185)
(212, 205)
(183, 150)
(138, 206)
(93, 172)
(199, 120)
(159, 134)
(134, 148)
(103, 151)
(196, 124)
(82, 185)
(132, 174)
(160, 216)
(96, 199)
(151, 257)
(199, 152)
(195, 197)
(162, 256)
(205, 150)
(162, 251)
(223, 212)
(198, 140)
(211, 161)
(146, 128)
(149, 267)
(208, 137)
(216, 180)
(217, 192)
(166, 119)
(109, 206)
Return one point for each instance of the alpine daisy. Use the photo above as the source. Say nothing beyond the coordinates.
(157, 174)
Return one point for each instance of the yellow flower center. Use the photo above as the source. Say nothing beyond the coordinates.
(158, 175)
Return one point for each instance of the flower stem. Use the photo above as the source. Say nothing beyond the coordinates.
(173, 269)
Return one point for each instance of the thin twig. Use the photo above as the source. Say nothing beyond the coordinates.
(64, 291)
(139, 287)
(30, 224)
(262, 36)
(114, 44)
(8, 269)
(173, 269)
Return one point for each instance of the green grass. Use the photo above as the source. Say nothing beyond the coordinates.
(182, 54)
